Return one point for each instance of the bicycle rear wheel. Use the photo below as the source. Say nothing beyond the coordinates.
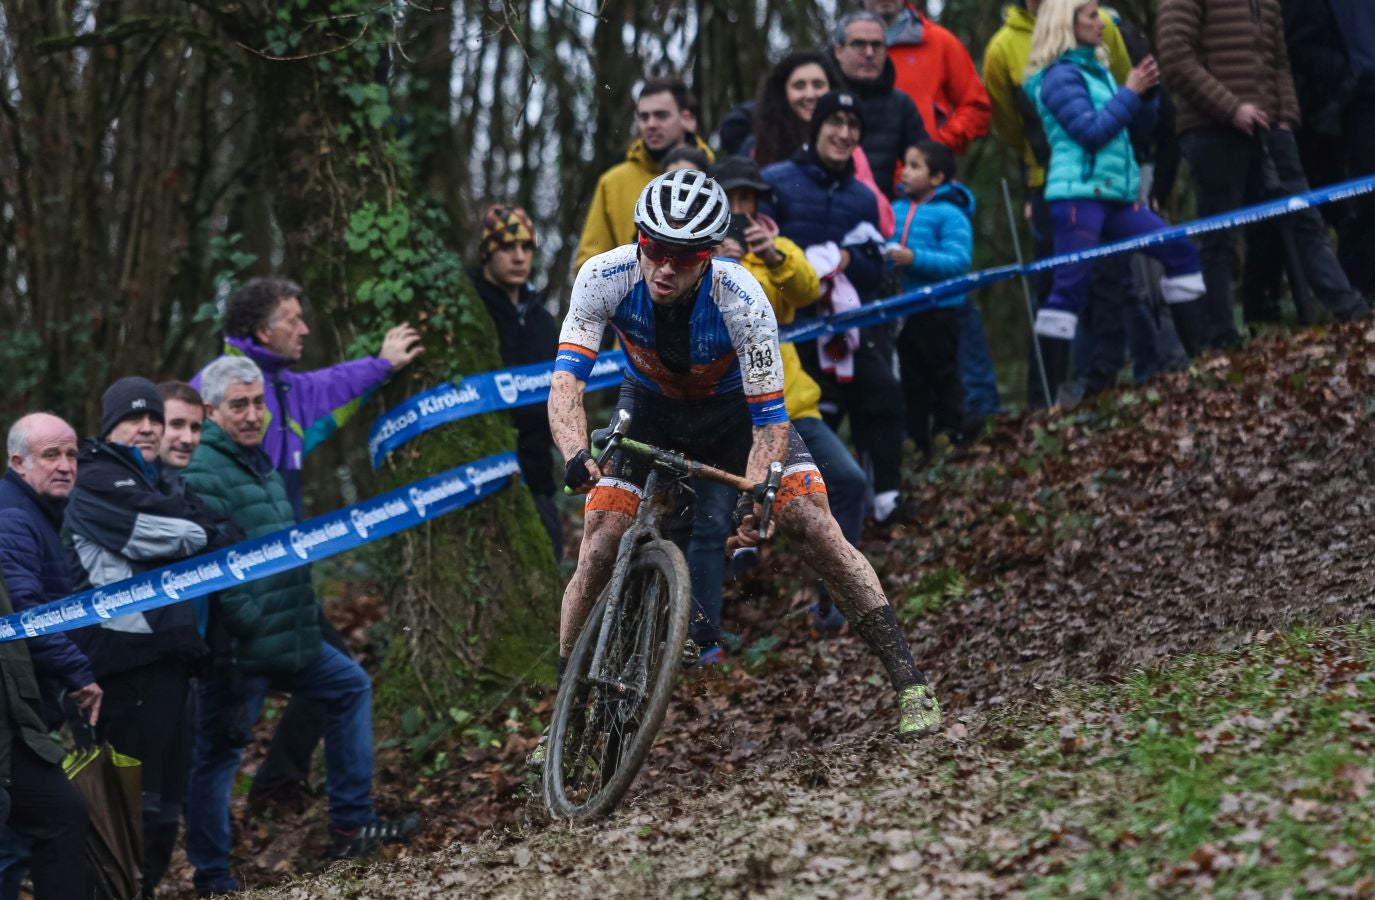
(604, 722)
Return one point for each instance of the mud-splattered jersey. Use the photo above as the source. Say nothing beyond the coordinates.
(733, 336)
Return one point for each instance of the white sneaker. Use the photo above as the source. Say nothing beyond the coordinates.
(1056, 323)
(1183, 288)
(884, 504)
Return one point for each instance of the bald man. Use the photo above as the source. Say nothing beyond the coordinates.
(33, 497)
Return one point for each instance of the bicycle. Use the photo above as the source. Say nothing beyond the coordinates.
(619, 677)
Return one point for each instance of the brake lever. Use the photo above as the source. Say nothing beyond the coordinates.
(765, 494)
(612, 436)
(620, 425)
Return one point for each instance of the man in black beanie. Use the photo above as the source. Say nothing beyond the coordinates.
(818, 201)
(123, 520)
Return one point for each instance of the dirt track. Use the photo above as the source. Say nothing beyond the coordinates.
(1223, 502)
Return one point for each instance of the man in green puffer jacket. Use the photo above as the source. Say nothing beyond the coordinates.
(274, 630)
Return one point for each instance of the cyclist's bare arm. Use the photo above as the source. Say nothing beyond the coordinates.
(568, 420)
(770, 446)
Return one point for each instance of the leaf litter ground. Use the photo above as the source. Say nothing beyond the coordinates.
(1058, 566)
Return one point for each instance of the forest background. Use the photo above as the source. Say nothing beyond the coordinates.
(155, 153)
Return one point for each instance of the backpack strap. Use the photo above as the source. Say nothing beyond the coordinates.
(907, 224)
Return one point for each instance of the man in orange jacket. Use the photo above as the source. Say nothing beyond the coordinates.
(936, 71)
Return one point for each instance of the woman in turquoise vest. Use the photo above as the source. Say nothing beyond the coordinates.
(1092, 180)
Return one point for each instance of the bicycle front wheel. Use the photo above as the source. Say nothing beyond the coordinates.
(605, 720)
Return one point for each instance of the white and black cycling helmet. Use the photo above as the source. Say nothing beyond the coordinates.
(684, 208)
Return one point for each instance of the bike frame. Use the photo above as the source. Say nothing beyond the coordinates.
(646, 527)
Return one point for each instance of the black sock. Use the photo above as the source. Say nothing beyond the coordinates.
(558, 678)
(879, 628)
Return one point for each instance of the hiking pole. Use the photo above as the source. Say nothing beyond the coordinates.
(1026, 293)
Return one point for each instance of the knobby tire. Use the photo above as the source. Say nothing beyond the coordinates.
(583, 712)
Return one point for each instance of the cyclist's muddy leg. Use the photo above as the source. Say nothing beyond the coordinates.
(600, 538)
(853, 583)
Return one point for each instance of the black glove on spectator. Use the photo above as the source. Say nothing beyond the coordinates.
(575, 474)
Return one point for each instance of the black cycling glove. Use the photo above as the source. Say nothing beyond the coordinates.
(575, 474)
(744, 506)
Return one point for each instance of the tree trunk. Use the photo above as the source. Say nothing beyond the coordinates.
(476, 591)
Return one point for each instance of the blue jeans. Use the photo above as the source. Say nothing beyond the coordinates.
(14, 862)
(345, 690)
(713, 504)
(976, 366)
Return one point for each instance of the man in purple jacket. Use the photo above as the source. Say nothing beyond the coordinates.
(264, 322)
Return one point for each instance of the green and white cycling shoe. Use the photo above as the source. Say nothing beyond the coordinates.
(920, 712)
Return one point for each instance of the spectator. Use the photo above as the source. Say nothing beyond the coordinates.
(33, 495)
(1093, 182)
(817, 202)
(686, 158)
(122, 521)
(274, 623)
(891, 118)
(33, 498)
(790, 283)
(937, 238)
(1227, 65)
(1017, 125)
(43, 806)
(1332, 50)
(664, 113)
(184, 411)
(787, 98)
(526, 333)
(265, 323)
(185, 414)
(935, 70)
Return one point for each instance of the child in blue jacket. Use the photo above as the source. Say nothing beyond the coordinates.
(937, 237)
(1092, 180)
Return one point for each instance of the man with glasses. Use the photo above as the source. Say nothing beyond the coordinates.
(703, 376)
(936, 71)
(893, 124)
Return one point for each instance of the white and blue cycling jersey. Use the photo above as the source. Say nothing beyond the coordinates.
(731, 334)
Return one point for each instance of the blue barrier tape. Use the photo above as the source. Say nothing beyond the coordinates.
(487, 392)
(509, 388)
(280, 551)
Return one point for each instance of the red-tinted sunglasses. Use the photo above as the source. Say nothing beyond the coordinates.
(680, 257)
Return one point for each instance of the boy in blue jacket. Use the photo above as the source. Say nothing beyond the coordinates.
(937, 237)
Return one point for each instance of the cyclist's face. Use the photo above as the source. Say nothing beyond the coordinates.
(671, 279)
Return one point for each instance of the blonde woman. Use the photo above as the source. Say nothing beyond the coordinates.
(1092, 179)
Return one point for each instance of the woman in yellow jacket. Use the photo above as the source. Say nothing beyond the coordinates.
(790, 283)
